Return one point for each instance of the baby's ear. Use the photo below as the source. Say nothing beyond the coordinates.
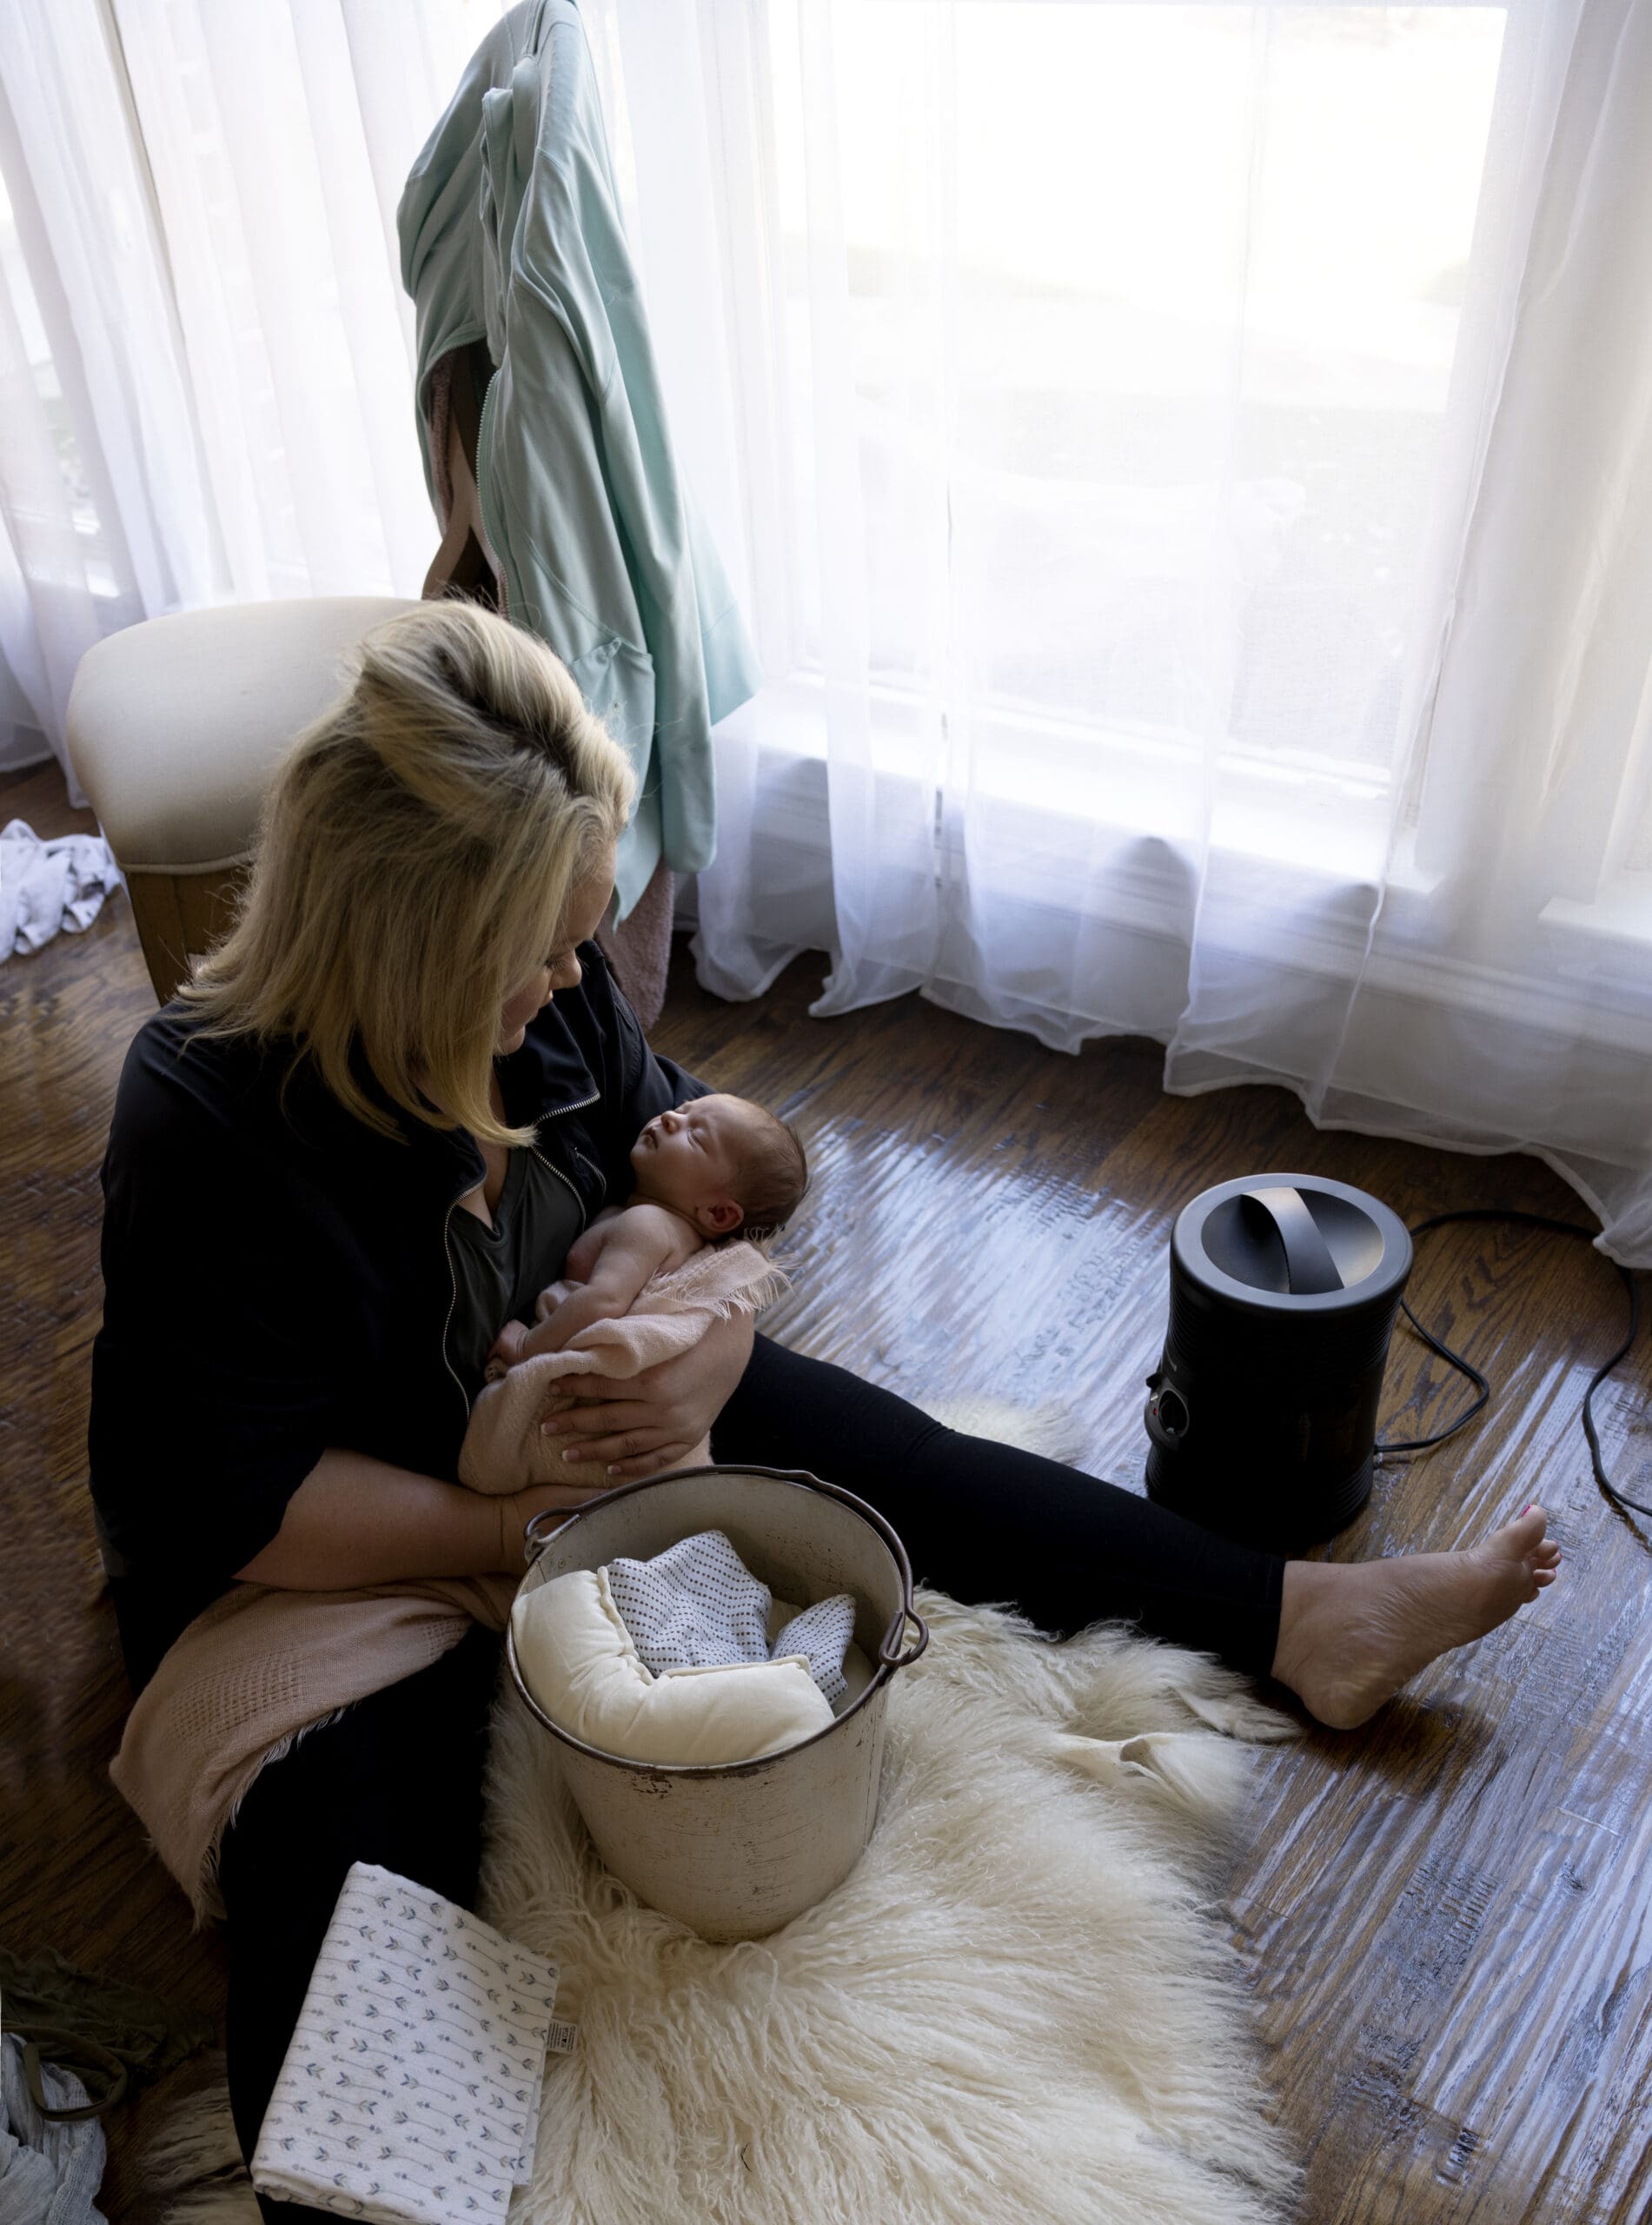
(723, 1218)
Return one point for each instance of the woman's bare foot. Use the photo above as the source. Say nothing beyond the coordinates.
(1352, 1633)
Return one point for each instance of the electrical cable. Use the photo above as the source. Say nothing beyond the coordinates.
(1562, 1228)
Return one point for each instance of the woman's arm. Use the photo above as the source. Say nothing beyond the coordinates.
(356, 1521)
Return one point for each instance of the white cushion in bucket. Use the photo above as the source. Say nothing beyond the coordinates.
(581, 1665)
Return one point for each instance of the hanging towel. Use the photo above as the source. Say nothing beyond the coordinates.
(511, 233)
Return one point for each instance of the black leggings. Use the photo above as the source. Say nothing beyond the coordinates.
(397, 1780)
(986, 1523)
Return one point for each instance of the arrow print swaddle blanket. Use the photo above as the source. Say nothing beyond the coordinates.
(410, 2093)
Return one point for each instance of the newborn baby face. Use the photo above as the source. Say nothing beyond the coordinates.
(687, 1157)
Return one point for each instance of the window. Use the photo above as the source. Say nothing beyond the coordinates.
(1151, 314)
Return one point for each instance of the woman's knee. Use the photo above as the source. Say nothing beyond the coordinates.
(794, 1412)
(396, 1780)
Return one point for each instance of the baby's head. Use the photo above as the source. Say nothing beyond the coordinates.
(731, 1167)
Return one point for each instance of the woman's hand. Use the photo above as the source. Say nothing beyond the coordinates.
(656, 1420)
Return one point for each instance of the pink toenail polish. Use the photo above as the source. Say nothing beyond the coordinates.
(1527, 1510)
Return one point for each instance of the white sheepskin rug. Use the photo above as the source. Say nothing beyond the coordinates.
(1019, 2006)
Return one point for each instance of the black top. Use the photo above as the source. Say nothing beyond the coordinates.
(498, 1270)
(277, 1280)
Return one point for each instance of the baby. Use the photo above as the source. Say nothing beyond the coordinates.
(712, 1170)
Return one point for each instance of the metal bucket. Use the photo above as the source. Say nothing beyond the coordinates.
(738, 1850)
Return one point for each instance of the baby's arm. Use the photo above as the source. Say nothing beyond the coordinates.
(630, 1249)
(581, 1265)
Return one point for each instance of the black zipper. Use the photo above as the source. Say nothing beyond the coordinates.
(584, 1106)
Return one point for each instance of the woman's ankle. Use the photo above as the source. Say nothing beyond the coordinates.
(1300, 1599)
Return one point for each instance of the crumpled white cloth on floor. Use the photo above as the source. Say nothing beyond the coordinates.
(698, 1606)
(48, 885)
(50, 2170)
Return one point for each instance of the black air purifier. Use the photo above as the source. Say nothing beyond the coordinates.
(1263, 1417)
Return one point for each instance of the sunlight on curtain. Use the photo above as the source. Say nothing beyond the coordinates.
(279, 137)
(205, 354)
(1095, 361)
(1186, 466)
(1109, 402)
(94, 445)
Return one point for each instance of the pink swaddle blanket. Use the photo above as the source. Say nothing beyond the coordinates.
(505, 1449)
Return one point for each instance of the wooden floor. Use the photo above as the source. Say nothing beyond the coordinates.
(1446, 1919)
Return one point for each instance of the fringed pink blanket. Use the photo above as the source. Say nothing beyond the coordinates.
(506, 1448)
(254, 1672)
(261, 1667)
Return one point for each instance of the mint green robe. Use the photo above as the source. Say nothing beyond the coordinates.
(510, 232)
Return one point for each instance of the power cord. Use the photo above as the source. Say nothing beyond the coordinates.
(1562, 1228)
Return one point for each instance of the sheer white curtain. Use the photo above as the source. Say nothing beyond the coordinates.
(1189, 468)
(95, 451)
(205, 354)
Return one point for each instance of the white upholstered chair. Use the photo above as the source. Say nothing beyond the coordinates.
(174, 726)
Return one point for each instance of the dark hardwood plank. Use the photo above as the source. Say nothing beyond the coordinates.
(75, 1871)
(1444, 1918)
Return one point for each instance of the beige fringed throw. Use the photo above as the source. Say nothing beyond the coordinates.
(250, 1675)
(261, 1667)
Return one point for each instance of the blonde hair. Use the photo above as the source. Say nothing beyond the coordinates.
(416, 853)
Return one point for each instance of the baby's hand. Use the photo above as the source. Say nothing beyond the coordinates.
(507, 1350)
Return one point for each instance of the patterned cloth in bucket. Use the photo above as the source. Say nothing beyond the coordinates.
(697, 1605)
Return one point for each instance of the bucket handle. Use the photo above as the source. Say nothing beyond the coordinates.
(533, 1543)
(897, 1631)
(889, 1653)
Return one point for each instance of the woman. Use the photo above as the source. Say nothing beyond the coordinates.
(365, 1137)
